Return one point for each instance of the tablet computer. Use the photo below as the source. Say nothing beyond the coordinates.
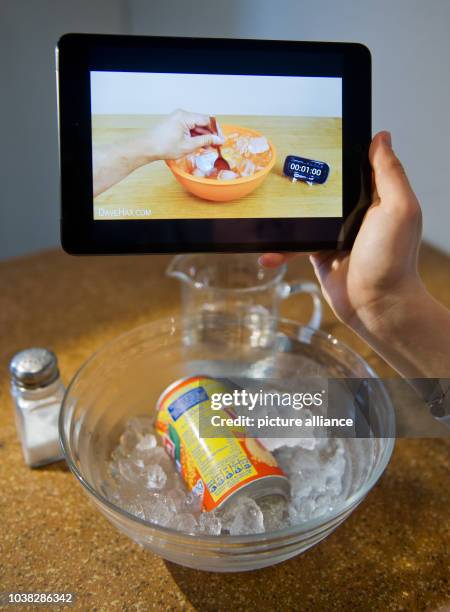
(186, 144)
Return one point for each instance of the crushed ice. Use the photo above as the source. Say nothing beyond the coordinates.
(143, 480)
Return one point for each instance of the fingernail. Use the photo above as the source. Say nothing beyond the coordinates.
(388, 139)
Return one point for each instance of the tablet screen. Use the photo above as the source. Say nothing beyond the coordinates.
(213, 146)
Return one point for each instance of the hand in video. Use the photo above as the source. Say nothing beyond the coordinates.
(171, 138)
(179, 133)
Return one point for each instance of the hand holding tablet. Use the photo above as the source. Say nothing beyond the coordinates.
(270, 153)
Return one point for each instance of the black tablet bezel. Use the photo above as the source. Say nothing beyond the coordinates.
(78, 54)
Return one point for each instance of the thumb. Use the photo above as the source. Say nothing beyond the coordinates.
(205, 140)
(391, 181)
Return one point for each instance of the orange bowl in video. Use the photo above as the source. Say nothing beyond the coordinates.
(250, 158)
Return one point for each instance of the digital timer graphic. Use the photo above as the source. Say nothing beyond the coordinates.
(303, 169)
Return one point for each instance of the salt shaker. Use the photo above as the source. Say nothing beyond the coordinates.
(37, 390)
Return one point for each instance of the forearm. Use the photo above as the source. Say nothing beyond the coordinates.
(412, 333)
(112, 163)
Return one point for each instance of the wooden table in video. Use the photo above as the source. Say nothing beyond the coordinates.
(154, 187)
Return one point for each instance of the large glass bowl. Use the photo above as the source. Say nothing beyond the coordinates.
(126, 377)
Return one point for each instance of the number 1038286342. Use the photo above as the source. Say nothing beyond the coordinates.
(19, 598)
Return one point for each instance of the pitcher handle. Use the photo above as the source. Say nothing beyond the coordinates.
(296, 287)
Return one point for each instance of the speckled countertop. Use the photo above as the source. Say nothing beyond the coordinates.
(393, 553)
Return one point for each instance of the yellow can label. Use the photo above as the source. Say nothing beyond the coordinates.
(212, 467)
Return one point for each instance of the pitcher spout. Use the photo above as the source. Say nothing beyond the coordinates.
(184, 268)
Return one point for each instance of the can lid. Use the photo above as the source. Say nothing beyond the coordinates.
(34, 367)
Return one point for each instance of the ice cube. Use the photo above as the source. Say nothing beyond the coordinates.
(205, 161)
(135, 508)
(129, 470)
(302, 487)
(258, 145)
(193, 502)
(184, 522)
(301, 510)
(128, 441)
(296, 460)
(143, 458)
(248, 169)
(146, 443)
(316, 478)
(227, 175)
(273, 444)
(155, 476)
(197, 172)
(275, 512)
(190, 162)
(111, 491)
(324, 505)
(242, 144)
(116, 455)
(157, 510)
(128, 491)
(177, 499)
(160, 456)
(243, 517)
(140, 425)
(209, 523)
(335, 474)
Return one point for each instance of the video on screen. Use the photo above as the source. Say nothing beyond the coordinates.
(208, 146)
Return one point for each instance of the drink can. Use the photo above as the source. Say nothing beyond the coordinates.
(217, 469)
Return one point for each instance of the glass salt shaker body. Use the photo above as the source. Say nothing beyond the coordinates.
(38, 391)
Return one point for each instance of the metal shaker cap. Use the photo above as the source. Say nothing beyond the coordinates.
(33, 368)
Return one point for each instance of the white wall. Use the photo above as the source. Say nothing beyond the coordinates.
(29, 173)
(132, 93)
(410, 44)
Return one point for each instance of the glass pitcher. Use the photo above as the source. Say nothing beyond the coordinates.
(236, 284)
